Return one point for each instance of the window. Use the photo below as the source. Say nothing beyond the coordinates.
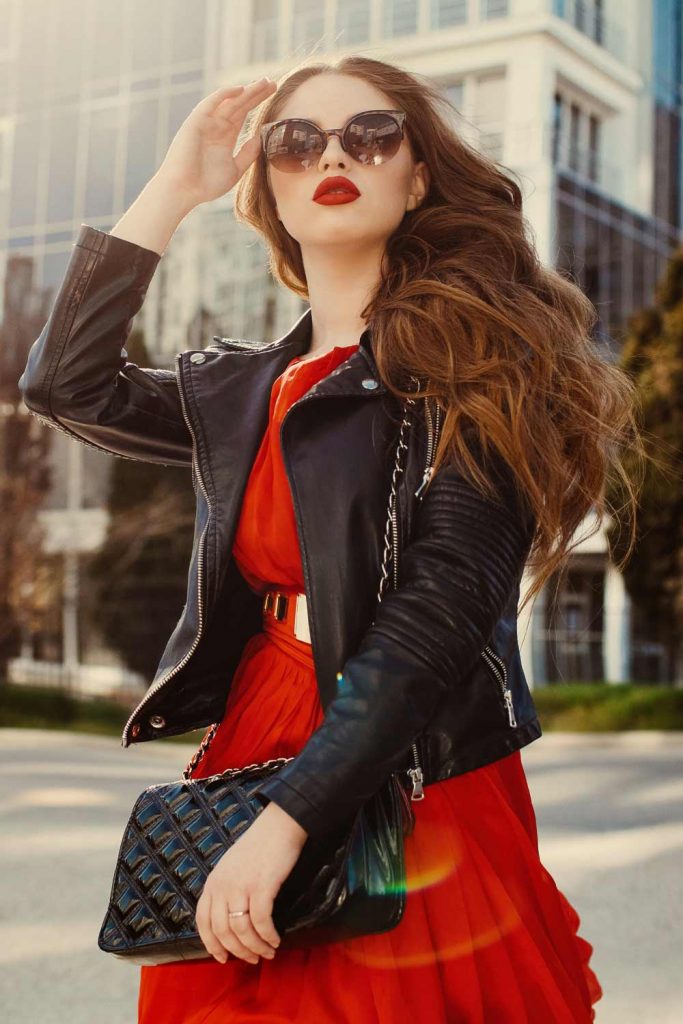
(141, 162)
(264, 31)
(61, 176)
(9, 19)
(480, 104)
(557, 127)
(188, 31)
(489, 113)
(101, 162)
(104, 54)
(146, 43)
(576, 138)
(588, 17)
(400, 17)
(308, 25)
(64, 49)
(445, 13)
(179, 106)
(25, 164)
(494, 8)
(5, 150)
(353, 22)
(455, 92)
(593, 147)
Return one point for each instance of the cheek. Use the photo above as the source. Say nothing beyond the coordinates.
(293, 198)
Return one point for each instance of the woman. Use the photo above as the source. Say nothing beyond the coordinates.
(418, 271)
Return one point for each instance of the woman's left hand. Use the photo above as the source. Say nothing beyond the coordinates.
(248, 877)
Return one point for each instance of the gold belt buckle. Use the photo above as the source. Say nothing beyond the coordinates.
(302, 630)
(277, 603)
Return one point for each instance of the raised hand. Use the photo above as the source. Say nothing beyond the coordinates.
(201, 162)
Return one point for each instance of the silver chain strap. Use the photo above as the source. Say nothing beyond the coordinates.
(392, 509)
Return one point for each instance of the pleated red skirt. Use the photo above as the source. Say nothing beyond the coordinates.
(486, 936)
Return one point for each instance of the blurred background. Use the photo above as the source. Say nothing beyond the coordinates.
(581, 99)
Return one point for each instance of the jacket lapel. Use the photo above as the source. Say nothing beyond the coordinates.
(349, 378)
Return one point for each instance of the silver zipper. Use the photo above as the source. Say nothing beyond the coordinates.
(394, 533)
(416, 777)
(498, 668)
(432, 439)
(489, 655)
(200, 564)
(416, 774)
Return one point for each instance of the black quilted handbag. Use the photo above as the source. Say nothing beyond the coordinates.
(350, 883)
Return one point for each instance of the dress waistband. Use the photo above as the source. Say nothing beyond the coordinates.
(285, 619)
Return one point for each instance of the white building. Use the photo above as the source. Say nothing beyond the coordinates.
(581, 99)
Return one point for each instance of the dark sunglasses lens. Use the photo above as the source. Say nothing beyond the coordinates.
(294, 146)
(373, 138)
(370, 139)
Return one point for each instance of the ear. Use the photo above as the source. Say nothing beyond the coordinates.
(419, 185)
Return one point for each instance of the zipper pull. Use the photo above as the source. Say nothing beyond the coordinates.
(426, 477)
(507, 694)
(407, 813)
(416, 779)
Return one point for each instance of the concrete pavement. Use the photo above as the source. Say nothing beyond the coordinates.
(610, 816)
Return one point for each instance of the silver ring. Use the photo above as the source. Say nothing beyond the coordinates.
(237, 913)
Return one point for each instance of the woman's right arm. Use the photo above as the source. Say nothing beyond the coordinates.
(77, 376)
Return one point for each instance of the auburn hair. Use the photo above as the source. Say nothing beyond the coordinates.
(464, 304)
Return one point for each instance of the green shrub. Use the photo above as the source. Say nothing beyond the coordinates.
(608, 707)
(45, 707)
(590, 707)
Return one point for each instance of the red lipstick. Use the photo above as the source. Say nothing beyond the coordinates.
(335, 190)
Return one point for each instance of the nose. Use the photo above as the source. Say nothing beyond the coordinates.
(333, 153)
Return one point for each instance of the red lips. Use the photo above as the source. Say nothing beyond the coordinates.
(328, 190)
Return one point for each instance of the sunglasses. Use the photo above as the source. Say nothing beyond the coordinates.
(371, 137)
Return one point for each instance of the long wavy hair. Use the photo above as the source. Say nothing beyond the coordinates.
(464, 304)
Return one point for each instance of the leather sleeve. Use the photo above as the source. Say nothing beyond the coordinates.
(456, 577)
(77, 376)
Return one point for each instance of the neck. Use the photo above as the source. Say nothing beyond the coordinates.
(340, 284)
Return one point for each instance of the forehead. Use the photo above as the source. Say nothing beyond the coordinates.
(331, 99)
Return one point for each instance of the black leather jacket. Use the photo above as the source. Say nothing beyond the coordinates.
(432, 676)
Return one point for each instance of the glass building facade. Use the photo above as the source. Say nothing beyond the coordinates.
(92, 92)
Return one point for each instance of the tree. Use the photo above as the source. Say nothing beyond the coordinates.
(653, 356)
(139, 575)
(26, 581)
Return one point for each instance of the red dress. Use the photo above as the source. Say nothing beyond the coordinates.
(486, 935)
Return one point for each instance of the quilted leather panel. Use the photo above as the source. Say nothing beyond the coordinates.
(353, 882)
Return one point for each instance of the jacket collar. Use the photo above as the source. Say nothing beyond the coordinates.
(350, 375)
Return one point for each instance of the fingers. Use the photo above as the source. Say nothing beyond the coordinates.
(260, 912)
(247, 97)
(202, 920)
(209, 103)
(241, 928)
(248, 937)
(247, 153)
(235, 939)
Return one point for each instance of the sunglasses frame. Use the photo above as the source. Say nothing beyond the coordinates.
(399, 116)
